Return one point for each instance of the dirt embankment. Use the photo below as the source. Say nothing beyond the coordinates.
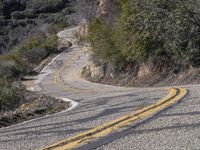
(32, 105)
(143, 77)
(151, 73)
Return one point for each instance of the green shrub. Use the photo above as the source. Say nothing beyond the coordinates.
(54, 28)
(45, 5)
(29, 13)
(50, 44)
(8, 95)
(62, 24)
(17, 15)
(139, 31)
(102, 39)
(8, 69)
(21, 65)
(166, 29)
(22, 59)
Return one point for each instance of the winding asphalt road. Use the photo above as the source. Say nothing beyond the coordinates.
(175, 128)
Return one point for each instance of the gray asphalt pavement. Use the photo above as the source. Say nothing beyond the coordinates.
(175, 128)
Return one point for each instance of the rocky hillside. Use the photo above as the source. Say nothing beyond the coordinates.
(144, 43)
(108, 10)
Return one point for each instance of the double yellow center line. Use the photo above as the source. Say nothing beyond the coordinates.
(59, 82)
(175, 95)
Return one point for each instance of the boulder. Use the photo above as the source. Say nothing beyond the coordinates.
(86, 72)
(92, 68)
(97, 72)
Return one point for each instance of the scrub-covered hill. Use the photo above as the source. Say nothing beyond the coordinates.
(20, 18)
(28, 41)
(144, 42)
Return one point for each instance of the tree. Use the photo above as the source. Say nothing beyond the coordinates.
(167, 30)
(101, 35)
(8, 95)
(161, 28)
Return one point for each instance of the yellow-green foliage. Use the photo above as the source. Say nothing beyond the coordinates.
(19, 62)
(31, 52)
(54, 28)
(50, 44)
(8, 95)
(162, 29)
(102, 39)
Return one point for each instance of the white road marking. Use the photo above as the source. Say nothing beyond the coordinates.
(43, 73)
(73, 104)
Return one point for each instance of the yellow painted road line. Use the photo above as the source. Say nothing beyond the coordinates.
(174, 96)
(58, 81)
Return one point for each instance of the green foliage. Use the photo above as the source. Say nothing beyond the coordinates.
(27, 55)
(137, 32)
(121, 3)
(19, 20)
(101, 36)
(54, 28)
(23, 14)
(8, 95)
(19, 62)
(50, 44)
(45, 5)
(7, 69)
(81, 39)
(167, 29)
(18, 15)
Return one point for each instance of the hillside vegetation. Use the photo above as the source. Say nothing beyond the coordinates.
(28, 42)
(21, 18)
(20, 61)
(27, 37)
(164, 30)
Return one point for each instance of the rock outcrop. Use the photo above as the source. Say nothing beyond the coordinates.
(108, 10)
(83, 28)
(92, 69)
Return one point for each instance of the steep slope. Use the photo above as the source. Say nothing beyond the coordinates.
(19, 19)
(134, 44)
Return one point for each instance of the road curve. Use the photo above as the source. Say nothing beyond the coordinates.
(175, 128)
(100, 132)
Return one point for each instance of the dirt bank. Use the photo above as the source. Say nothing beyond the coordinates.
(32, 106)
(151, 73)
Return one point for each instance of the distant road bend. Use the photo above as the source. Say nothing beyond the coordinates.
(107, 117)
